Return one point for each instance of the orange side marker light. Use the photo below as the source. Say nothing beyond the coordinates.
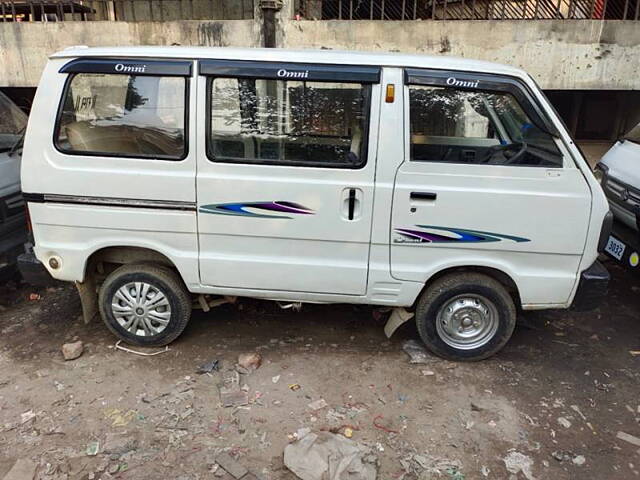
(391, 93)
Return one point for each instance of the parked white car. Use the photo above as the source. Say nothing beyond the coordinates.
(445, 188)
(619, 174)
(13, 224)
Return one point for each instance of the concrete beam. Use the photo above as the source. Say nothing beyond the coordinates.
(559, 54)
(576, 54)
(24, 47)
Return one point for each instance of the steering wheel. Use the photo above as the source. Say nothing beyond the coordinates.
(512, 159)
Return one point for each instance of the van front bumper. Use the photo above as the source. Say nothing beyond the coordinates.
(593, 287)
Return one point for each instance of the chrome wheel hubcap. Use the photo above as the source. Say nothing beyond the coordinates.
(141, 309)
(467, 322)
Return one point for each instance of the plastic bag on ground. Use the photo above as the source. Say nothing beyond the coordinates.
(326, 456)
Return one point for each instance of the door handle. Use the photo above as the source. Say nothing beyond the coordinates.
(423, 196)
(351, 204)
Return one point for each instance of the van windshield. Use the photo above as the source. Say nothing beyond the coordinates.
(634, 134)
(12, 123)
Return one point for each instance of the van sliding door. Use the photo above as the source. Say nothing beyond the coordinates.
(285, 176)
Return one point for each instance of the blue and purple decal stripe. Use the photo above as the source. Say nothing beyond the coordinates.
(454, 235)
(277, 209)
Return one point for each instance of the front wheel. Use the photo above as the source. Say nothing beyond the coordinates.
(465, 316)
(145, 305)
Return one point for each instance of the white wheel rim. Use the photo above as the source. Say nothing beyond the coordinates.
(141, 309)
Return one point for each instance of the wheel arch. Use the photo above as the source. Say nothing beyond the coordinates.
(497, 274)
(105, 259)
(121, 255)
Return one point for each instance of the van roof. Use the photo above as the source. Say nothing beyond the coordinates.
(303, 56)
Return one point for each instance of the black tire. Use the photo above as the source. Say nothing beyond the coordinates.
(164, 280)
(442, 291)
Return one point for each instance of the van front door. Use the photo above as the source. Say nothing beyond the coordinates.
(486, 183)
(285, 176)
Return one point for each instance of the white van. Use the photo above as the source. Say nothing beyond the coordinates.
(444, 188)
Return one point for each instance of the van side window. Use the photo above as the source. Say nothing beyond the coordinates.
(123, 115)
(458, 126)
(282, 122)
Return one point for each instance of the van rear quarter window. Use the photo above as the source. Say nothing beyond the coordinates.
(123, 115)
(478, 127)
(288, 122)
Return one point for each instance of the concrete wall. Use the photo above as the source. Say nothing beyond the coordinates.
(24, 47)
(575, 54)
(168, 10)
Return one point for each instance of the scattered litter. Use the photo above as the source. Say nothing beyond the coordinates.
(416, 351)
(275, 379)
(427, 467)
(144, 354)
(629, 438)
(326, 456)
(484, 470)
(518, 462)
(561, 455)
(579, 460)
(427, 373)
(27, 417)
(576, 409)
(93, 448)
(231, 466)
(348, 432)
(635, 353)
(455, 474)
(294, 387)
(300, 433)
(422, 461)
(564, 422)
(34, 296)
(209, 367)
(250, 361)
(231, 395)
(71, 351)
(120, 418)
(119, 443)
(318, 404)
(386, 428)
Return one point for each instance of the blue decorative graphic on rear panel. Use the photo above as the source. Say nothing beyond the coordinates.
(247, 209)
(451, 235)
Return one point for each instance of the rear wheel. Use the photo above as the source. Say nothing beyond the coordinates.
(145, 305)
(465, 316)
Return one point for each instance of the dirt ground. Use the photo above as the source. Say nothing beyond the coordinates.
(555, 398)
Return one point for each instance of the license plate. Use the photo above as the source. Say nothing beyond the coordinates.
(615, 248)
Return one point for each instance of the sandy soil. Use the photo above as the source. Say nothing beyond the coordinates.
(558, 394)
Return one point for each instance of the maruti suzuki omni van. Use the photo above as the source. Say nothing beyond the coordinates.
(446, 189)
